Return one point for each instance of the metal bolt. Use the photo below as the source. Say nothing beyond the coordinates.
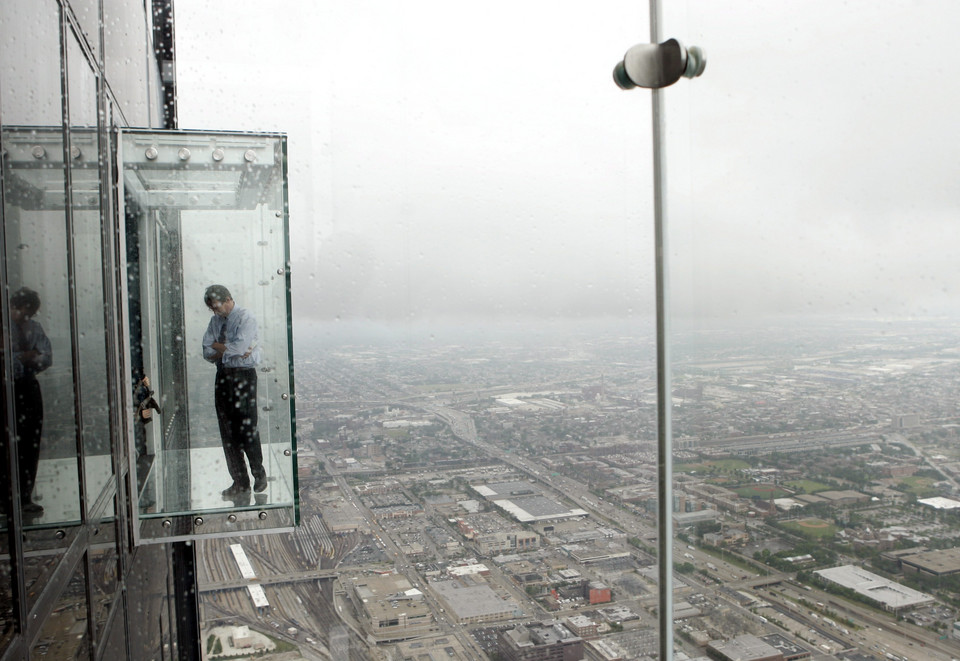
(262, 516)
(151, 153)
(184, 154)
(279, 271)
(167, 523)
(287, 452)
(249, 156)
(218, 154)
(284, 396)
(279, 214)
(75, 152)
(61, 534)
(232, 518)
(198, 521)
(38, 152)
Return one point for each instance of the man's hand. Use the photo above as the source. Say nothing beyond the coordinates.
(28, 357)
(220, 348)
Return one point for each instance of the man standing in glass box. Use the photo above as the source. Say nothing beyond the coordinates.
(232, 343)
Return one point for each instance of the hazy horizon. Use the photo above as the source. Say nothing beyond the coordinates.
(451, 162)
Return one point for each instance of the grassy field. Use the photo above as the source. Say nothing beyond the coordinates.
(718, 466)
(812, 528)
(764, 491)
(921, 486)
(808, 486)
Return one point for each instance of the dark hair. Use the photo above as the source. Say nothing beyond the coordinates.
(27, 300)
(217, 293)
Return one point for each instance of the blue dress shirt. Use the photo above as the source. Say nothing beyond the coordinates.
(239, 330)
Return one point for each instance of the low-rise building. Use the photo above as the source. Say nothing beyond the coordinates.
(392, 608)
(597, 593)
(743, 648)
(540, 641)
(513, 541)
(791, 650)
(582, 626)
(604, 650)
(844, 498)
(944, 562)
(887, 594)
(474, 602)
(434, 648)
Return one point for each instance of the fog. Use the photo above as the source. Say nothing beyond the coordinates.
(453, 161)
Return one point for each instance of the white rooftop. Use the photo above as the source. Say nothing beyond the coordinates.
(939, 503)
(892, 595)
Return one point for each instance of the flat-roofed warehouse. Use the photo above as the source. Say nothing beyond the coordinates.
(743, 648)
(499, 490)
(474, 602)
(525, 502)
(538, 508)
(889, 595)
(847, 497)
(932, 563)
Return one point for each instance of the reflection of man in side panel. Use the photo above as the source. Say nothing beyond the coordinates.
(32, 354)
(232, 343)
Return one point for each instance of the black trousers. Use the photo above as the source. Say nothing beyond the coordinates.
(29, 412)
(235, 394)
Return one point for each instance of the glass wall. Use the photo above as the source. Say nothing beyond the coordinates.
(209, 210)
(815, 317)
(39, 286)
(811, 293)
(471, 254)
(89, 288)
(66, 559)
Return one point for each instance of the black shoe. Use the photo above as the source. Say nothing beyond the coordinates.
(241, 499)
(30, 507)
(260, 482)
(235, 490)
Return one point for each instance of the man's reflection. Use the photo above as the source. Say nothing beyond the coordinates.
(31, 355)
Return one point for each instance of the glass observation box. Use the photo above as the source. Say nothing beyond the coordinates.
(111, 241)
(212, 374)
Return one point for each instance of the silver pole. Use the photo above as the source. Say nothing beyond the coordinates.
(664, 394)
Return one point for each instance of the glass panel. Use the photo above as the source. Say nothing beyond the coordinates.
(36, 259)
(8, 616)
(88, 273)
(114, 643)
(125, 53)
(88, 16)
(812, 228)
(471, 286)
(31, 97)
(104, 574)
(65, 634)
(202, 210)
(149, 592)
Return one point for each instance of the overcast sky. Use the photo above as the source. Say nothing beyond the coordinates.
(475, 159)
